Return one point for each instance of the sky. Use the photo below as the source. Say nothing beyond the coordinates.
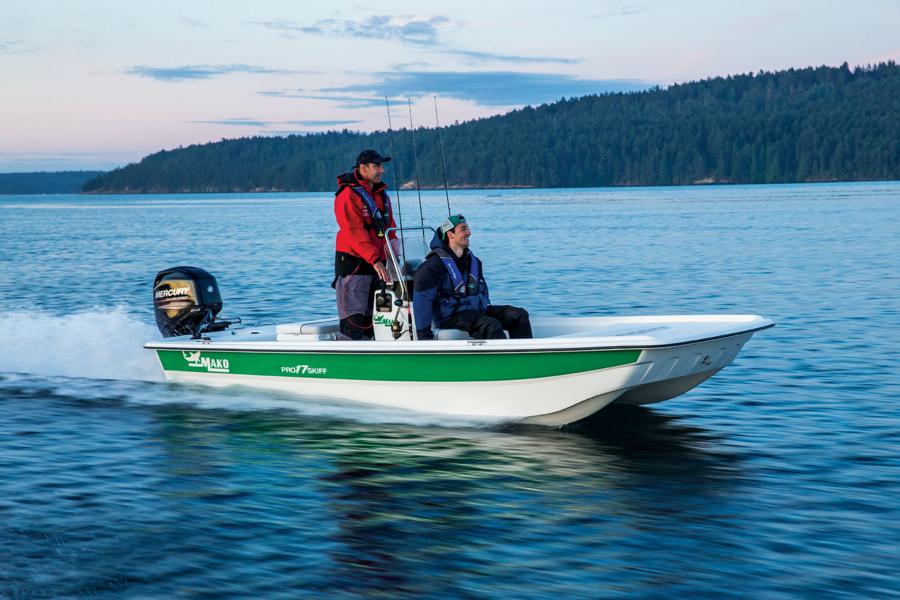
(96, 84)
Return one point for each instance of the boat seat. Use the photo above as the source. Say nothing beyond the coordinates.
(322, 329)
(451, 334)
(329, 326)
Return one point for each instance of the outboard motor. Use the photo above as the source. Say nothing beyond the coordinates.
(186, 300)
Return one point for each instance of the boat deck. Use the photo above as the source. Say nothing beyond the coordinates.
(549, 333)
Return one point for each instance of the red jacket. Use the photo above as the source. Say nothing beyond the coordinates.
(356, 235)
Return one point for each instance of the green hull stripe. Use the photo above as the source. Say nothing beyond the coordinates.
(397, 367)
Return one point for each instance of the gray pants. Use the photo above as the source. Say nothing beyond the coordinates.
(354, 304)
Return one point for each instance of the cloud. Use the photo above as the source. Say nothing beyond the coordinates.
(417, 31)
(322, 123)
(12, 47)
(406, 29)
(190, 72)
(342, 100)
(493, 88)
(248, 122)
(238, 121)
(491, 56)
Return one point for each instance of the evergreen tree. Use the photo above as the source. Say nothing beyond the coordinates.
(813, 124)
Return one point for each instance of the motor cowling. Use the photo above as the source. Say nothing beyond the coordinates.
(186, 300)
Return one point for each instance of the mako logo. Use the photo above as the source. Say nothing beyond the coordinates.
(212, 365)
(305, 370)
(383, 320)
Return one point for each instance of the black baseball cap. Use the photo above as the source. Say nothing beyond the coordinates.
(371, 156)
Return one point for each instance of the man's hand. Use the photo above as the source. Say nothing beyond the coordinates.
(382, 273)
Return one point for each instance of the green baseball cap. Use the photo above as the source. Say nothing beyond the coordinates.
(449, 223)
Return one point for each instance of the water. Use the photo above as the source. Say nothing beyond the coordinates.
(777, 478)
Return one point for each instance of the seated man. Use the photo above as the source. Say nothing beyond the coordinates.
(450, 289)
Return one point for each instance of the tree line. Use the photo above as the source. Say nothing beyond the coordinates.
(797, 125)
(58, 182)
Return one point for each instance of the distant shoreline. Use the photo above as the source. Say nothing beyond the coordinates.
(453, 188)
(492, 187)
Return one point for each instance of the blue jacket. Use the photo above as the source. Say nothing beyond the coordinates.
(437, 297)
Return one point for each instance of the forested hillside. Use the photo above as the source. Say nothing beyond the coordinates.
(813, 124)
(60, 182)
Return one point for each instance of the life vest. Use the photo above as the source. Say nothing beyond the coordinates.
(462, 286)
(378, 218)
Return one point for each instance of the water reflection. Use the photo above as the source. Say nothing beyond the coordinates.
(391, 504)
(257, 501)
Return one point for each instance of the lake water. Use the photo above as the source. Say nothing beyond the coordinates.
(779, 477)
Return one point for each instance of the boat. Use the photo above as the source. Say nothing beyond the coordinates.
(571, 369)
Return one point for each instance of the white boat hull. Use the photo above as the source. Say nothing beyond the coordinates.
(551, 380)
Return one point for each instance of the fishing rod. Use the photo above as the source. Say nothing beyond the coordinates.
(443, 162)
(412, 130)
(401, 264)
(396, 184)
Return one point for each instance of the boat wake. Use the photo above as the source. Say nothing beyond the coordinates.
(246, 399)
(64, 356)
(100, 343)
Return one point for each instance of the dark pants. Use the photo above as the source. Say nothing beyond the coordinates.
(490, 324)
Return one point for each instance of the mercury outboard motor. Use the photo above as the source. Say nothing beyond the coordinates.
(186, 301)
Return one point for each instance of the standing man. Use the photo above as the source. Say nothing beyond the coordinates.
(450, 290)
(363, 212)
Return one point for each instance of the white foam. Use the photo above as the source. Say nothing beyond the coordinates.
(107, 343)
(102, 343)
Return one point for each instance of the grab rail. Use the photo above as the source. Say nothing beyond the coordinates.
(395, 261)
